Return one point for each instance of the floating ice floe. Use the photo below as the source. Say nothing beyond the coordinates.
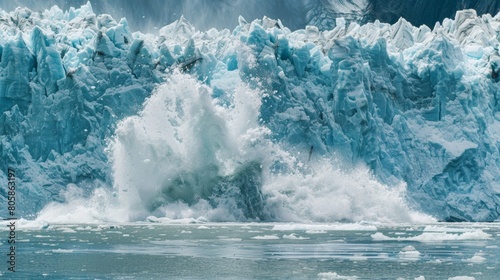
(436, 236)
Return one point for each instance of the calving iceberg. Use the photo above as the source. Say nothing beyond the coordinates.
(361, 122)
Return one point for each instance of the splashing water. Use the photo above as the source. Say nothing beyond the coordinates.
(186, 156)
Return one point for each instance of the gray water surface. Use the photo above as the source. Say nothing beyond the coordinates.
(256, 251)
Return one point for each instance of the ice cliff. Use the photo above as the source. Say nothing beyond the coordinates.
(246, 115)
(295, 14)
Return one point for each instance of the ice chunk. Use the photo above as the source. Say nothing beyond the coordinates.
(266, 237)
(409, 253)
(334, 275)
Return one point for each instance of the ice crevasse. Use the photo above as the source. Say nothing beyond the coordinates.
(80, 95)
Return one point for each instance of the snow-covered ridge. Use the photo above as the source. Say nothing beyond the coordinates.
(414, 104)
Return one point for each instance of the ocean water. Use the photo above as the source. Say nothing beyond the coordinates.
(256, 251)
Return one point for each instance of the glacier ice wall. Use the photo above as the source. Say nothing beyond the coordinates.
(413, 105)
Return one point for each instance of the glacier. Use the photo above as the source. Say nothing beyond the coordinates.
(295, 14)
(372, 121)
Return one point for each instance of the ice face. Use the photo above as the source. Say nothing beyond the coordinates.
(261, 120)
(295, 14)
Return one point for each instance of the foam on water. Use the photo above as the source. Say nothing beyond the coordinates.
(101, 206)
